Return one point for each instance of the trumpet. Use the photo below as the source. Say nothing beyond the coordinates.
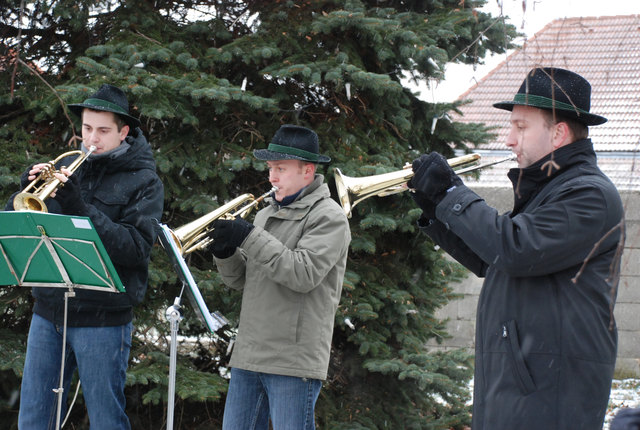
(33, 196)
(352, 191)
(193, 236)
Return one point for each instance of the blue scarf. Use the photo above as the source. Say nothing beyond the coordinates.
(289, 199)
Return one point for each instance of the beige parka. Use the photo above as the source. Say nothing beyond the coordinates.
(291, 269)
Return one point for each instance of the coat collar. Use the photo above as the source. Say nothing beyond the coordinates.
(300, 200)
(528, 181)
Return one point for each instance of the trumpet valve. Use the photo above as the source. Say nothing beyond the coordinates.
(47, 170)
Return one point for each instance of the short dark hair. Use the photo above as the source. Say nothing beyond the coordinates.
(578, 129)
(120, 122)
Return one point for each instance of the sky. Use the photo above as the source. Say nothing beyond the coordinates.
(536, 14)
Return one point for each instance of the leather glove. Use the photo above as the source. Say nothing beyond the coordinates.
(433, 177)
(69, 197)
(227, 235)
(428, 207)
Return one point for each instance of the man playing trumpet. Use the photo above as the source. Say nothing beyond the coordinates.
(118, 189)
(290, 265)
(546, 339)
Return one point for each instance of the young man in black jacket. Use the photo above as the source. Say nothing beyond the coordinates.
(545, 334)
(118, 189)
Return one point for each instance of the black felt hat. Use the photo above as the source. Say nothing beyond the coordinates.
(293, 142)
(108, 99)
(550, 88)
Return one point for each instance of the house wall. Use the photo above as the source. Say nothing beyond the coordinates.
(461, 313)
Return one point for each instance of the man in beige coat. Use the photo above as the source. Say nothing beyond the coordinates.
(290, 265)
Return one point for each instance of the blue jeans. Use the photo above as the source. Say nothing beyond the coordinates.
(253, 397)
(100, 354)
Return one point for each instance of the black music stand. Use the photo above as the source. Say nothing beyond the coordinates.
(39, 249)
(213, 321)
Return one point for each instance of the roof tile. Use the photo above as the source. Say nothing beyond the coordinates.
(605, 50)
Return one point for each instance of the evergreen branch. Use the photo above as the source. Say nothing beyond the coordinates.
(53, 90)
(475, 41)
(150, 39)
(15, 65)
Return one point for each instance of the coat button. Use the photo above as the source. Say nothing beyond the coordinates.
(457, 207)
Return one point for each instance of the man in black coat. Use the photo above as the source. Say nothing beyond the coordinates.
(118, 189)
(546, 338)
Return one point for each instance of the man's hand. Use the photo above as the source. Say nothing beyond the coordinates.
(433, 177)
(428, 207)
(29, 175)
(227, 235)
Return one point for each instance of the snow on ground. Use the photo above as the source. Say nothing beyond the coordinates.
(625, 393)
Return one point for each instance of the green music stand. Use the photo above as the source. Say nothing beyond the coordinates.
(48, 250)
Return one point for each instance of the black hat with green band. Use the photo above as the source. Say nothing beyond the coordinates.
(108, 99)
(293, 142)
(559, 90)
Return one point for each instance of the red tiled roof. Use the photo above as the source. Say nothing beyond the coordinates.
(606, 51)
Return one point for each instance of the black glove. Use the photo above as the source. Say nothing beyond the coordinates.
(69, 197)
(428, 207)
(227, 235)
(433, 177)
(24, 178)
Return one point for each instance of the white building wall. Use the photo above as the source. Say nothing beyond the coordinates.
(461, 312)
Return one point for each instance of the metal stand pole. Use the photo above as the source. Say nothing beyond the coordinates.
(60, 389)
(173, 316)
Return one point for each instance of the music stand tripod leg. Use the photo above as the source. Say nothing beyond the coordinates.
(173, 316)
(60, 389)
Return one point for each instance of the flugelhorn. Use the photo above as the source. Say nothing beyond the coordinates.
(33, 196)
(352, 191)
(193, 236)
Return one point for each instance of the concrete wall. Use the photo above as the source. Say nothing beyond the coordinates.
(461, 313)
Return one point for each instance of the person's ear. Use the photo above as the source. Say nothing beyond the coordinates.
(561, 135)
(309, 169)
(124, 132)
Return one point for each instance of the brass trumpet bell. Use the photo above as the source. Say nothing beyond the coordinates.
(32, 197)
(193, 236)
(352, 191)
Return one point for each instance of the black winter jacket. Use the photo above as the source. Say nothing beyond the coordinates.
(124, 197)
(545, 335)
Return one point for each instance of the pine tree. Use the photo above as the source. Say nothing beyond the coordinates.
(213, 80)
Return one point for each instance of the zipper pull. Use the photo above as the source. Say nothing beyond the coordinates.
(504, 331)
